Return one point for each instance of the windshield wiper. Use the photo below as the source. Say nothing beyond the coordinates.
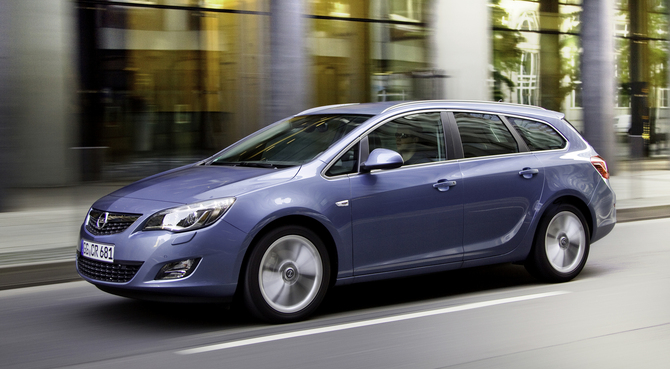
(254, 164)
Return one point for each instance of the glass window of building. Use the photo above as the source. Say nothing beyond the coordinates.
(171, 85)
(536, 54)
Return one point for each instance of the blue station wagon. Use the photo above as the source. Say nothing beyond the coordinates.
(355, 192)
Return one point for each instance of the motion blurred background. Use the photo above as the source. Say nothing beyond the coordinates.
(106, 90)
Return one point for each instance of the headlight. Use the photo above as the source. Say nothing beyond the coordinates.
(189, 217)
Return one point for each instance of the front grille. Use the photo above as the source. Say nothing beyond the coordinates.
(106, 223)
(120, 272)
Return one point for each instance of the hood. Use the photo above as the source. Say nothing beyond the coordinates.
(203, 182)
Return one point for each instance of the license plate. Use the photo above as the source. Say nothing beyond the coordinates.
(98, 251)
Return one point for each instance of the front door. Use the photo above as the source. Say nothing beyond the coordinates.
(411, 216)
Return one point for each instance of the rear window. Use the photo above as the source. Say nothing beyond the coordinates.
(537, 135)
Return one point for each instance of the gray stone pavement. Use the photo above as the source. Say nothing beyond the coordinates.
(38, 237)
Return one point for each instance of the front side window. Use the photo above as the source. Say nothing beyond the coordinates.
(537, 135)
(418, 138)
(345, 164)
(484, 134)
(294, 141)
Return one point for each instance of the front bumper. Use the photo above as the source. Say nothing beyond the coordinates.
(140, 255)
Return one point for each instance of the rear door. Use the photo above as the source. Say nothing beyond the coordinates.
(503, 184)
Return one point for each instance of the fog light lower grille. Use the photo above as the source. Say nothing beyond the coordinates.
(177, 270)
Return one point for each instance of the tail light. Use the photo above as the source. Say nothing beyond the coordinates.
(601, 166)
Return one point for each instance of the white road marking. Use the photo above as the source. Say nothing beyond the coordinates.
(365, 323)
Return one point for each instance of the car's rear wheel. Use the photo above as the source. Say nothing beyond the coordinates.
(287, 275)
(561, 244)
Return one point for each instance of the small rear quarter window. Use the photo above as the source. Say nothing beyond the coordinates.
(537, 135)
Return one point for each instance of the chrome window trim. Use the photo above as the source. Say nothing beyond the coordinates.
(517, 153)
(500, 115)
(393, 115)
(497, 156)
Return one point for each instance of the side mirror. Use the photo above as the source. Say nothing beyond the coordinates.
(382, 159)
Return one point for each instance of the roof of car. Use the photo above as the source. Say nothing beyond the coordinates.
(377, 108)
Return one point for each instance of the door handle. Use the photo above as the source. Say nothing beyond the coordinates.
(528, 173)
(444, 185)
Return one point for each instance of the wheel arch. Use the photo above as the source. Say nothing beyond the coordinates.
(299, 220)
(537, 262)
(580, 205)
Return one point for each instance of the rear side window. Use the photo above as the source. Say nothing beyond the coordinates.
(537, 135)
(484, 134)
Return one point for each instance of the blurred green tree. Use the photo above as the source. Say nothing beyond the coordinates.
(506, 51)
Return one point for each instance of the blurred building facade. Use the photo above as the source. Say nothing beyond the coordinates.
(107, 89)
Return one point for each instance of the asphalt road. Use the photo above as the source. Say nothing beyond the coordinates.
(614, 315)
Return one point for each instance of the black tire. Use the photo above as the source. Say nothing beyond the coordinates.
(287, 275)
(561, 244)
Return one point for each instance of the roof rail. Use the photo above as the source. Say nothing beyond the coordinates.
(317, 108)
(415, 102)
(401, 104)
(517, 104)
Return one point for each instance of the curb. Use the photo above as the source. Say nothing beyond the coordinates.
(38, 274)
(643, 213)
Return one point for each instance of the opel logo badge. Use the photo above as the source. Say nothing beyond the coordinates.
(102, 220)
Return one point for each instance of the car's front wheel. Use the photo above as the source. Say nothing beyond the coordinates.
(561, 244)
(287, 275)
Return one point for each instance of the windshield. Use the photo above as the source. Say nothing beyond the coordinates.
(294, 141)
